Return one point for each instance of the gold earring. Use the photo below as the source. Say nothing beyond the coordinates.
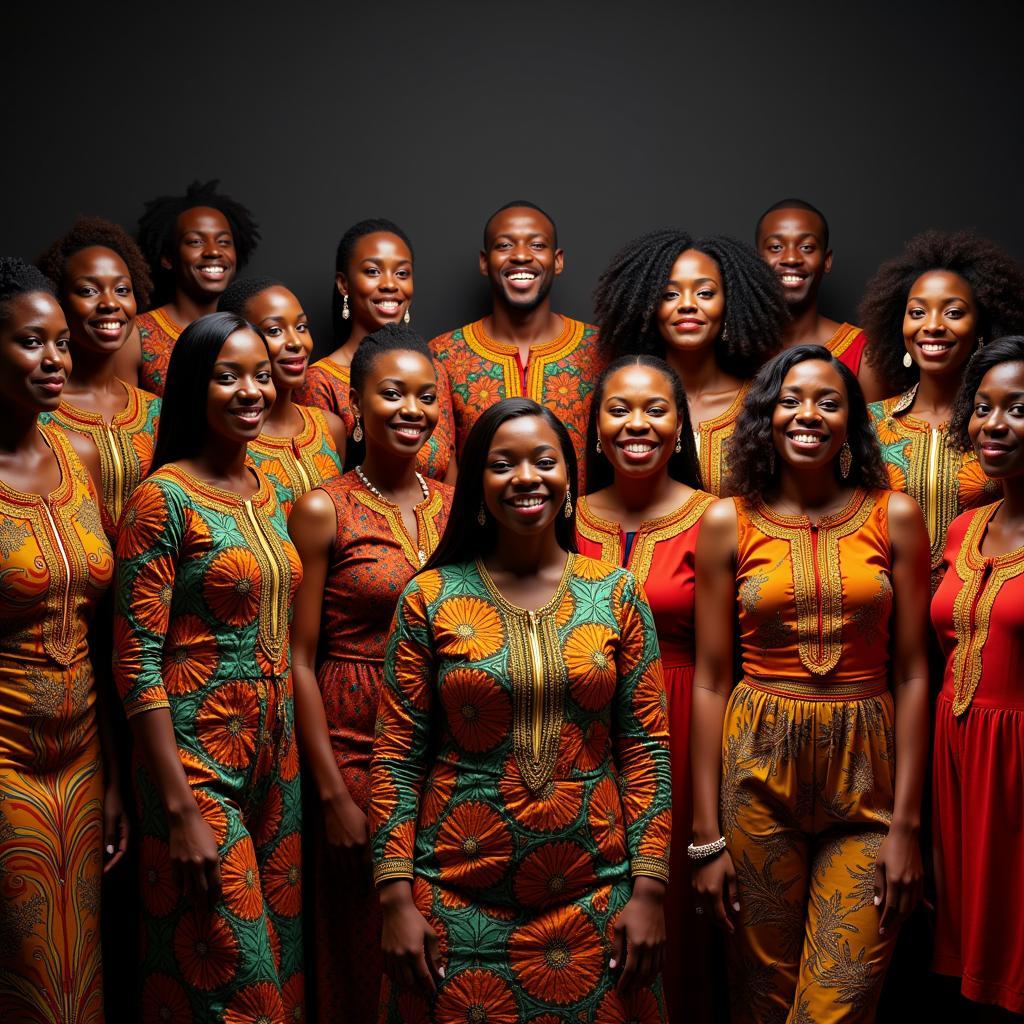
(357, 434)
(344, 308)
(907, 361)
(597, 447)
(679, 443)
(481, 516)
(407, 318)
(568, 504)
(845, 460)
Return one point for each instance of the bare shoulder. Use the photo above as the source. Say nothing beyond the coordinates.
(313, 518)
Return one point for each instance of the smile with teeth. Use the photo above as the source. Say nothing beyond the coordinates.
(638, 447)
(793, 279)
(935, 347)
(108, 325)
(807, 438)
(387, 306)
(527, 501)
(408, 430)
(250, 414)
(213, 271)
(521, 275)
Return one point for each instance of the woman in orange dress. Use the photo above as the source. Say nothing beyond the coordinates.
(301, 446)
(808, 772)
(711, 309)
(925, 313)
(373, 287)
(978, 780)
(361, 538)
(643, 513)
(56, 813)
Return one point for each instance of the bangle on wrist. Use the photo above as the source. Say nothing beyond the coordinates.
(706, 850)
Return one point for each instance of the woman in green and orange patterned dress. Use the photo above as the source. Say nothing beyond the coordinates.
(206, 576)
(521, 855)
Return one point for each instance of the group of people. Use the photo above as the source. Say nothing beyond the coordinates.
(586, 638)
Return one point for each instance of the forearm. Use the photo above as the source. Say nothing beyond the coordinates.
(154, 733)
(912, 729)
(707, 718)
(314, 736)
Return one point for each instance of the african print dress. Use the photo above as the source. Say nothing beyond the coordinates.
(55, 564)
(327, 387)
(847, 345)
(559, 374)
(520, 778)
(978, 780)
(297, 464)
(157, 334)
(373, 558)
(662, 557)
(204, 594)
(808, 762)
(711, 439)
(125, 444)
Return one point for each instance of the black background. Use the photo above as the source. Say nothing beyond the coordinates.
(617, 117)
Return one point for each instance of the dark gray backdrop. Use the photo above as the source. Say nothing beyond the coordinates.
(618, 117)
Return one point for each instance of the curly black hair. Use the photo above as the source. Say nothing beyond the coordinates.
(751, 472)
(87, 232)
(236, 296)
(370, 226)
(630, 290)
(1008, 349)
(996, 280)
(19, 278)
(682, 466)
(156, 228)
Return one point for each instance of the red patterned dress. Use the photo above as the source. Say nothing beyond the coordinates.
(847, 345)
(327, 387)
(373, 559)
(662, 558)
(158, 334)
(978, 764)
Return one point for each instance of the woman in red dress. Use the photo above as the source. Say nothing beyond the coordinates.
(643, 513)
(361, 538)
(978, 613)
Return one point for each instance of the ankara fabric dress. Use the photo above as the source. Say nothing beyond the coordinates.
(663, 561)
(711, 441)
(520, 776)
(158, 334)
(204, 593)
(55, 564)
(978, 767)
(372, 560)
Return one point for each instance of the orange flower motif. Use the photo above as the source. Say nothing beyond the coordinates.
(600, 898)
(461, 363)
(473, 846)
(595, 747)
(384, 798)
(255, 1004)
(206, 950)
(190, 655)
(476, 995)
(127, 651)
(429, 585)
(555, 807)
(569, 745)
(142, 443)
(401, 839)
(289, 758)
(213, 814)
(566, 608)
(282, 877)
(151, 595)
(437, 792)
(650, 703)
(657, 835)
(591, 568)
(554, 873)
(478, 710)
(197, 770)
(231, 586)
(325, 468)
(452, 899)
(275, 942)
(414, 676)
(605, 817)
(160, 889)
(197, 538)
(589, 653)
(240, 878)
(227, 722)
(269, 816)
(412, 1006)
(484, 392)
(163, 999)
(639, 1007)
(639, 784)
(897, 478)
(467, 627)
(558, 957)
(562, 390)
(142, 520)
(293, 995)
(974, 488)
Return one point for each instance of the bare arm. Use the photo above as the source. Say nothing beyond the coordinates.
(337, 428)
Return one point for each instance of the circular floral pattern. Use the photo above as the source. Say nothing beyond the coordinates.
(467, 627)
(437, 792)
(255, 1004)
(282, 877)
(206, 950)
(555, 807)
(554, 873)
(604, 815)
(160, 889)
(231, 586)
(476, 997)
(227, 723)
(478, 710)
(589, 653)
(558, 957)
(473, 846)
(240, 880)
(190, 655)
(639, 1007)
(142, 521)
(164, 1000)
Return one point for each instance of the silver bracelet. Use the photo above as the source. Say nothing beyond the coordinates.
(707, 850)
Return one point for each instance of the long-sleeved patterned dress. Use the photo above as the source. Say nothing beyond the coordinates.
(520, 778)
(158, 334)
(55, 564)
(204, 593)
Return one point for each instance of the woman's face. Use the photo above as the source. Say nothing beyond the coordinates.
(525, 476)
(379, 280)
(98, 300)
(996, 426)
(35, 358)
(693, 304)
(241, 390)
(940, 325)
(278, 314)
(398, 403)
(811, 417)
(204, 253)
(638, 421)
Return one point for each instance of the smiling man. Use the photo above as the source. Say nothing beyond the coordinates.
(522, 348)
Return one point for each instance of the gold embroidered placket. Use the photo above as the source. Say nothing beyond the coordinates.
(275, 573)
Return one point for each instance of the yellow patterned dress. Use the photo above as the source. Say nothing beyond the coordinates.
(711, 439)
(55, 564)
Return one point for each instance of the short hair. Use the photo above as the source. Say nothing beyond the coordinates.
(1008, 349)
(236, 296)
(183, 427)
(632, 286)
(464, 539)
(751, 472)
(87, 232)
(529, 206)
(682, 466)
(996, 280)
(370, 226)
(794, 204)
(19, 278)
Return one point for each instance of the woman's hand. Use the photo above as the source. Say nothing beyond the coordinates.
(115, 824)
(412, 954)
(194, 854)
(346, 828)
(640, 935)
(715, 884)
(899, 875)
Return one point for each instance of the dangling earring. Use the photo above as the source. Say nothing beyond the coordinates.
(771, 462)
(845, 460)
(981, 342)
(725, 332)
(679, 443)
(597, 447)
(357, 434)
(568, 504)
(344, 308)
(481, 516)
(407, 318)
(907, 361)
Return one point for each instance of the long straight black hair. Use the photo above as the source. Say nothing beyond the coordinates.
(182, 430)
(464, 539)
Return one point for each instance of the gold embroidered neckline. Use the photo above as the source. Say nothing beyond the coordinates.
(426, 512)
(548, 608)
(131, 416)
(218, 496)
(478, 333)
(64, 489)
(305, 434)
(165, 323)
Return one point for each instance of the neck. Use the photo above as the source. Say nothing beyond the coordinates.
(698, 370)
(802, 328)
(185, 308)
(523, 326)
(1013, 498)
(388, 473)
(810, 490)
(222, 459)
(348, 348)
(279, 422)
(526, 555)
(92, 372)
(936, 393)
(637, 494)
(18, 430)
